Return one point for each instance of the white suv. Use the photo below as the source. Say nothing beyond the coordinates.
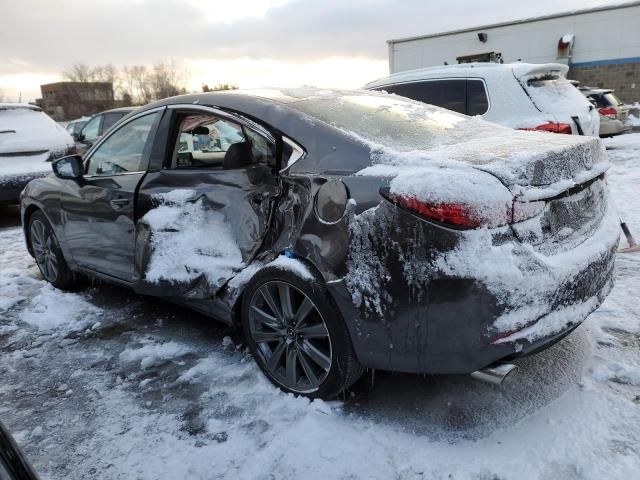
(518, 95)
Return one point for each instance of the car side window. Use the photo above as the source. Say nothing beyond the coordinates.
(449, 94)
(109, 120)
(208, 141)
(91, 130)
(477, 101)
(124, 151)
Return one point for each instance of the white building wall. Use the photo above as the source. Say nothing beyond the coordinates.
(600, 36)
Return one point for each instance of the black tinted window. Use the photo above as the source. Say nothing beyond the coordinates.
(109, 120)
(449, 94)
(477, 102)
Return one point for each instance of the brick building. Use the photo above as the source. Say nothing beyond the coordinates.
(70, 100)
(600, 45)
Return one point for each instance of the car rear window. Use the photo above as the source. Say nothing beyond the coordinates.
(404, 125)
(477, 101)
(450, 94)
(555, 94)
(612, 99)
(110, 119)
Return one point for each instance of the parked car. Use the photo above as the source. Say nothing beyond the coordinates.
(613, 113)
(97, 126)
(74, 127)
(517, 95)
(341, 230)
(29, 140)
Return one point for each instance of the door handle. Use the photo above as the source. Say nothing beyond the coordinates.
(119, 202)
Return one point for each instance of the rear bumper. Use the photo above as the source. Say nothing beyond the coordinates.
(455, 320)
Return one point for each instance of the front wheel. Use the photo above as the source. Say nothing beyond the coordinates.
(297, 335)
(48, 255)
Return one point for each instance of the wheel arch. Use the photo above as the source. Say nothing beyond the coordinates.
(236, 309)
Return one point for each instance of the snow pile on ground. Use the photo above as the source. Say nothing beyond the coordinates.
(190, 240)
(152, 355)
(17, 280)
(53, 309)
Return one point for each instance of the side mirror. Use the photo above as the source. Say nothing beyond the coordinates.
(79, 137)
(70, 167)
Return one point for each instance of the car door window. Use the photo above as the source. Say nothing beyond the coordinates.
(91, 130)
(477, 101)
(208, 141)
(449, 94)
(125, 150)
(109, 120)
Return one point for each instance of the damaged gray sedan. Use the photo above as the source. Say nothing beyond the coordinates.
(341, 230)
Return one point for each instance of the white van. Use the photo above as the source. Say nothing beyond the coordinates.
(518, 95)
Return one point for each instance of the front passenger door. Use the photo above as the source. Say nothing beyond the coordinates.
(98, 210)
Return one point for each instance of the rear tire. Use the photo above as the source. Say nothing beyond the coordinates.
(48, 256)
(297, 335)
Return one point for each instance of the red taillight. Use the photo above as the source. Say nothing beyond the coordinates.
(466, 216)
(608, 112)
(451, 213)
(552, 127)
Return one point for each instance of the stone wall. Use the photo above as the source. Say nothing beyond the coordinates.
(624, 78)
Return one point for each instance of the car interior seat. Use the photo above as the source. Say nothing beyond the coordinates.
(238, 156)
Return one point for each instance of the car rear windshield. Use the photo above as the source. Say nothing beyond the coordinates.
(612, 99)
(556, 94)
(404, 125)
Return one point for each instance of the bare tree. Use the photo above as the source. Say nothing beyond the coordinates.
(79, 72)
(136, 84)
(166, 80)
(219, 87)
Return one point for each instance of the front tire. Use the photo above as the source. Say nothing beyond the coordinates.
(297, 335)
(48, 256)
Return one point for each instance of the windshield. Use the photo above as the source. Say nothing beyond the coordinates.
(384, 119)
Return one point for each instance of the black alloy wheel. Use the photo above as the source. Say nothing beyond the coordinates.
(48, 256)
(297, 335)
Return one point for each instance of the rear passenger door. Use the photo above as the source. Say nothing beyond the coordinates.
(204, 207)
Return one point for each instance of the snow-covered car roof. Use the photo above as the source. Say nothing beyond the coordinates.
(28, 106)
(519, 69)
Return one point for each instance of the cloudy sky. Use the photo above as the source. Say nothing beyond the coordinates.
(251, 43)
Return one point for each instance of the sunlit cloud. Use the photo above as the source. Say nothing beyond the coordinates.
(340, 72)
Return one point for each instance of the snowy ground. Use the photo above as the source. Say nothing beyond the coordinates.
(106, 384)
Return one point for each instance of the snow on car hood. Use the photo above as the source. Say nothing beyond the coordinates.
(25, 130)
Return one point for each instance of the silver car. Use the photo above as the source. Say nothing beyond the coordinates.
(613, 113)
